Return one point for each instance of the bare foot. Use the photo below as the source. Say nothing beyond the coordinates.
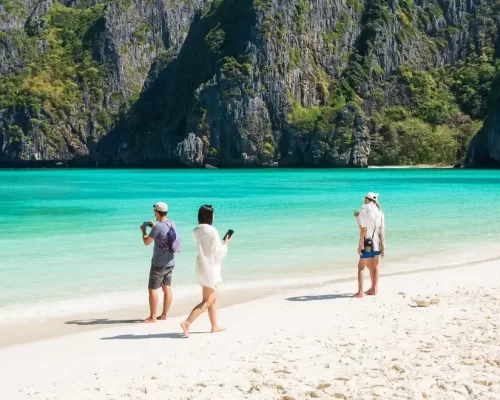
(149, 320)
(358, 295)
(217, 329)
(185, 328)
(162, 317)
(371, 292)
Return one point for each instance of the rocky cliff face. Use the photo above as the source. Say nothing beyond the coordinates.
(484, 151)
(240, 82)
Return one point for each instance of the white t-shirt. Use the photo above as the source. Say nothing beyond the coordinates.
(371, 218)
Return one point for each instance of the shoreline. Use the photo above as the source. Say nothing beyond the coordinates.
(29, 332)
(312, 342)
(223, 168)
(418, 166)
(21, 333)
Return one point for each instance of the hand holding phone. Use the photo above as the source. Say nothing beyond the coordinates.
(228, 235)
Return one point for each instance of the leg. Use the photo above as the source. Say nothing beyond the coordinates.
(167, 301)
(153, 285)
(153, 304)
(361, 277)
(167, 293)
(212, 314)
(375, 275)
(208, 298)
(370, 270)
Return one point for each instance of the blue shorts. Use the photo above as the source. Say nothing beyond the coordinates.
(370, 254)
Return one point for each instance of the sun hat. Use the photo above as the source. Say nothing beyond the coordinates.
(160, 206)
(372, 196)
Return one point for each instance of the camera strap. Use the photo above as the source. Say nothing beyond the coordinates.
(374, 229)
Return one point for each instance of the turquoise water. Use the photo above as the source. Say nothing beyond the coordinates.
(73, 235)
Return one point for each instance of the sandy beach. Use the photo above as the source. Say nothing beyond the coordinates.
(304, 343)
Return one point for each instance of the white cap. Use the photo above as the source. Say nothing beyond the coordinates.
(372, 196)
(160, 206)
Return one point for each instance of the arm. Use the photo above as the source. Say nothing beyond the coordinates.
(220, 250)
(358, 220)
(362, 234)
(361, 218)
(147, 240)
(195, 238)
(382, 237)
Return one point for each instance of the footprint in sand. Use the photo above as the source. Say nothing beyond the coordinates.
(282, 371)
(397, 368)
(323, 386)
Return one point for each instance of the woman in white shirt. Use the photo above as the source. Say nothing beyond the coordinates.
(372, 225)
(211, 251)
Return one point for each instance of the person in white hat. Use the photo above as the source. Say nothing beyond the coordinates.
(162, 263)
(371, 242)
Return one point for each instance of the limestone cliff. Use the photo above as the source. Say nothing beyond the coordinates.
(484, 150)
(242, 82)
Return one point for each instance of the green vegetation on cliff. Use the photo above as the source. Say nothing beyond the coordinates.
(54, 77)
(58, 74)
(446, 110)
(420, 113)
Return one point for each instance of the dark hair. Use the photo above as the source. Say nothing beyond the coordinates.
(162, 213)
(206, 215)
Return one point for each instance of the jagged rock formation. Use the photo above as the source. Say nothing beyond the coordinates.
(484, 150)
(240, 83)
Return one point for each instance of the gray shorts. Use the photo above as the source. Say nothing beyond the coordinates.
(160, 277)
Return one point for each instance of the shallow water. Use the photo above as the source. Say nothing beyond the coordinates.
(70, 239)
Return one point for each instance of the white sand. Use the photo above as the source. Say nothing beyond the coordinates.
(329, 346)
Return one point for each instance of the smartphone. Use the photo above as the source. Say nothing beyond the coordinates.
(147, 224)
(228, 234)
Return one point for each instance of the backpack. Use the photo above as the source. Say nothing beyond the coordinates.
(173, 241)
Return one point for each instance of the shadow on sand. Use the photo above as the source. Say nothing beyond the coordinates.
(320, 297)
(176, 335)
(102, 321)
